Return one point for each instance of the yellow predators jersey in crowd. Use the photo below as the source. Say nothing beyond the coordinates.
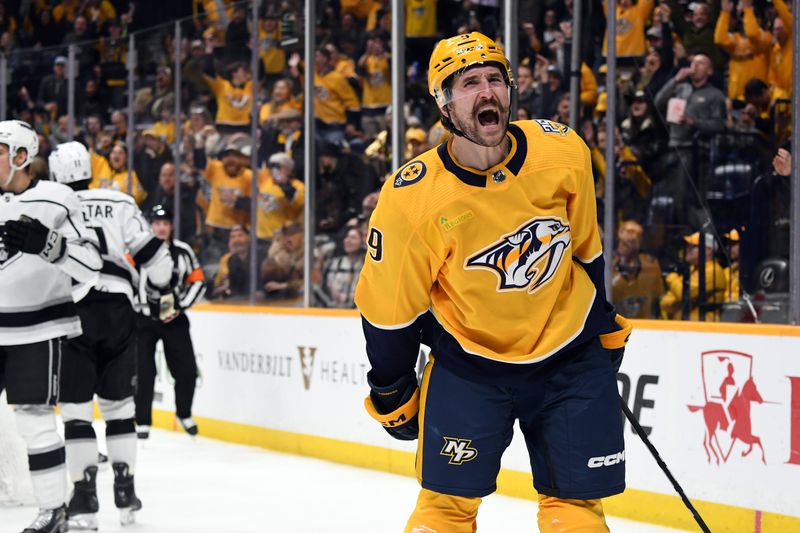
(274, 208)
(420, 18)
(225, 189)
(333, 96)
(375, 83)
(495, 255)
(233, 103)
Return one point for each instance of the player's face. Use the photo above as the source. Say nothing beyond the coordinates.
(5, 164)
(480, 105)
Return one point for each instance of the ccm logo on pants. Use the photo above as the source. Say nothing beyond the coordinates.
(607, 460)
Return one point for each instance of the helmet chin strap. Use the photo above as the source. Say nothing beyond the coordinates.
(12, 168)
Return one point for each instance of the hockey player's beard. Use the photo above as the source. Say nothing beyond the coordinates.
(472, 127)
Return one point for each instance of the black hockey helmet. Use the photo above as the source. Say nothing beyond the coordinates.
(159, 212)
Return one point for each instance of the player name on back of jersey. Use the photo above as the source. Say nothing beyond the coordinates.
(91, 211)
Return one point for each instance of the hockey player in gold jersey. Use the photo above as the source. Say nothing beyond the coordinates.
(487, 249)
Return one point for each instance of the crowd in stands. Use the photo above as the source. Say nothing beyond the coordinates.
(704, 105)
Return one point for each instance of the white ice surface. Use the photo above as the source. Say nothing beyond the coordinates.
(207, 486)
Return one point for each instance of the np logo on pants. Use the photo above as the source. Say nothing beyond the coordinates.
(458, 450)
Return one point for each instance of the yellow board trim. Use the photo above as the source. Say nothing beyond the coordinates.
(776, 330)
(662, 509)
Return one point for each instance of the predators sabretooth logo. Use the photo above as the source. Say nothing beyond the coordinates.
(528, 257)
(307, 363)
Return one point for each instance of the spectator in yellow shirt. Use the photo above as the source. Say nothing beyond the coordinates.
(716, 283)
(118, 178)
(234, 97)
(748, 56)
(281, 197)
(336, 105)
(631, 20)
(373, 69)
(779, 72)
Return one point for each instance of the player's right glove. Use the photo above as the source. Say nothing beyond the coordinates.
(615, 341)
(396, 406)
(30, 236)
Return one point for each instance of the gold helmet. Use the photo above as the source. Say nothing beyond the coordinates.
(459, 52)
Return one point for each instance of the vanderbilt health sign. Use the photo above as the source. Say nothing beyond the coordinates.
(722, 408)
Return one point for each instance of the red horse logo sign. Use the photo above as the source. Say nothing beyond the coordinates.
(729, 389)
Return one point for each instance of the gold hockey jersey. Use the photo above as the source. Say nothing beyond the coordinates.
(506, 263)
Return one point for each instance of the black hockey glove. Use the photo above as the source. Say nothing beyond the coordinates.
(396, 406)
(30, 236)
(615, 341)
(162, 303)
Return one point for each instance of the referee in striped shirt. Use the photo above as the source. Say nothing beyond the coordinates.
(178, 350)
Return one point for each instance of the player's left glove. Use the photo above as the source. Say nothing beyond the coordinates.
(30, 236)
(615, 341)
(395, 406)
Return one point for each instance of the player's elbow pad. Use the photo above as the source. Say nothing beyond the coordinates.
(615, 341)
(395, 406)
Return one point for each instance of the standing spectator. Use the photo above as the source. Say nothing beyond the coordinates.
(552, 88)
(284, 133)
(697, 34)
(748, 56)
(273, 56)
(631, 19)
(673, 300)
(119, 123)
(373, 70)
(118, 180)
(233, 97)
(704, 113)
(281, 99)
(178, 349)
(636, 284)
(642, 134)
(336, 106)
(527, 95)
(340, 272)
(151, 157)
(164, 195)
(53, 89)
(779, 72)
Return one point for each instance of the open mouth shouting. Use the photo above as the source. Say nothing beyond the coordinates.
(489, 118)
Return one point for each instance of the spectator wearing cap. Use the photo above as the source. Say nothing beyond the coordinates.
(748, 57)
(118, 180)
(672, 303)
(636, 284)
(281, 99)
(337, 185)
(642, 133)
(551, 87)
(52, 94)
(373, 73)
(281, 197)
(283, 132)
(779, 71)
(697, 33)
(201, 130)
(282, 269)
(416, 143)
(232, 279)
(229, 180)
(631, 19)
(659, 62)
(234, 97)
(192, 72)
(336, 105)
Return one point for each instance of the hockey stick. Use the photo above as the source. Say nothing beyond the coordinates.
(642, 435)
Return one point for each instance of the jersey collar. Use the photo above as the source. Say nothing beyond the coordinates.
(479, 178)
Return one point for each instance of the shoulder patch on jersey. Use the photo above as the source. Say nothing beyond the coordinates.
(410, 174)
(548, 126)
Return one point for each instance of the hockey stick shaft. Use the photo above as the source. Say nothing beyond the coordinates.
(642, 435)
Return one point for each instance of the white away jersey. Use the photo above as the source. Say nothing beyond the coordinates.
(35, 295)
(124, 236)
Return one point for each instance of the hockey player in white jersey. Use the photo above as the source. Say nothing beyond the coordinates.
(103, 359)
(43, 246)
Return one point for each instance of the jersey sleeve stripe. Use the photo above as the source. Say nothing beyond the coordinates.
(148, 251)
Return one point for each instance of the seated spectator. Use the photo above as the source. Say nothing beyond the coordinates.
(642, 133)
(282, 271)
(416, 143)
(232, 280)
(118, 180)
(201, 130)
(151, 157)
(673, 301)
(732, 271)
(281, 197)
(281, 99)
(340, 272)
(636, 284)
